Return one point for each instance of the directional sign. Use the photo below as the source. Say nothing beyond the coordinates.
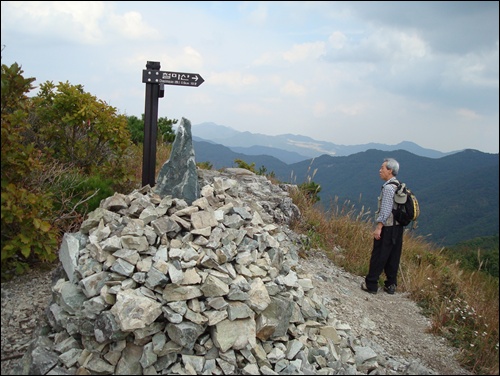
(150, 76)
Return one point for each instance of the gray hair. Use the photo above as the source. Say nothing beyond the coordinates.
(392, 165)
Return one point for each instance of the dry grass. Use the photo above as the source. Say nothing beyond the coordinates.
(462, 305)
(135, 160)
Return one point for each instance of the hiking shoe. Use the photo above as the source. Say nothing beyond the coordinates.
(364, 288)
(391, 289)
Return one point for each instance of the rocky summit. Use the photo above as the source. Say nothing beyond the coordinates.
(153, 285)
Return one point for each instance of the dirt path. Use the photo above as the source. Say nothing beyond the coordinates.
(392, 321)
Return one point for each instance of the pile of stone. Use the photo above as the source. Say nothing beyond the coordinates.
(153, 285)
(147, 286)
(180, 280)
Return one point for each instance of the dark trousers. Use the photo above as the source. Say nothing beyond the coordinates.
(385, 257)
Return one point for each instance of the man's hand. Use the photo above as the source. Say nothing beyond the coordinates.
(378, 231)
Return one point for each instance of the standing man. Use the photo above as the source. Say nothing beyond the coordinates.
(388, 235)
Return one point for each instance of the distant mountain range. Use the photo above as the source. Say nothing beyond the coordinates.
(458, 192)
(291, 148)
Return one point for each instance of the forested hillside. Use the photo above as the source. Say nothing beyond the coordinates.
(458, 193)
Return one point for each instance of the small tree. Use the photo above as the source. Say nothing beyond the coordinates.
(242, 164)
(75, 127)
(311, 190)
(27, 233)
(165, 131)
(136, 129)
(206, 165)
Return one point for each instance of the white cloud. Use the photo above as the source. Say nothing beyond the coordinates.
(78, 21)
(397, 45)
(251, 109)
(304, 51)
(476, 69)
(294, 89)
(267, 58)
(467, 114)
(349, 109)
(258, 15)
(337, 39)
(191, 58)
(234, 80)
(320, 109)
(131, 25)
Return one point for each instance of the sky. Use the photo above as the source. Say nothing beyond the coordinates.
(349, 73)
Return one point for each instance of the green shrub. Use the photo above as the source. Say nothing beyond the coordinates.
(204, 165)
(27, 233)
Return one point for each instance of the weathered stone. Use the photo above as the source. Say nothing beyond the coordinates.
(69, 253)
(135, 311)
(178, 176)
(184, 334)
(129, 362)
(236, 334)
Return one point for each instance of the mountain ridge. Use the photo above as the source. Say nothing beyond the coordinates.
(291, 148)
(450, 189)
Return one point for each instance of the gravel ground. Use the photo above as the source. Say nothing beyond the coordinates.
(392, 321)
(24, 300)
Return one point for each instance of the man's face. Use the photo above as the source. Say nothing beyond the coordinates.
(384, 172)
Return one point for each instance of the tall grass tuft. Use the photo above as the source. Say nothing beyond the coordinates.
(135, 160)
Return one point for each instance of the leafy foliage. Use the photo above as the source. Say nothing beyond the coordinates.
(136, 129)
(311, 189)
(251, 167)
(204, 165)
(242, 164)
(476, 254)
(63, 151)
(165, 131)
(45, 180)
(26, 229)
(166, 134)
(263, 171)
(76, 127)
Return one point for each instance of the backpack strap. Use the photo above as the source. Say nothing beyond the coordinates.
(395, 182)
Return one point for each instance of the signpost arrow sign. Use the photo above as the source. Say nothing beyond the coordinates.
(150, 76)
(155, 88)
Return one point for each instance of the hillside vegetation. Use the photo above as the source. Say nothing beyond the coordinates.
(64, 150)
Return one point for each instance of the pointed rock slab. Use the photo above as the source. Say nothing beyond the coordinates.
(178, 176)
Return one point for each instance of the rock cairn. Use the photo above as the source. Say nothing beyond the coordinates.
(152, 285)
